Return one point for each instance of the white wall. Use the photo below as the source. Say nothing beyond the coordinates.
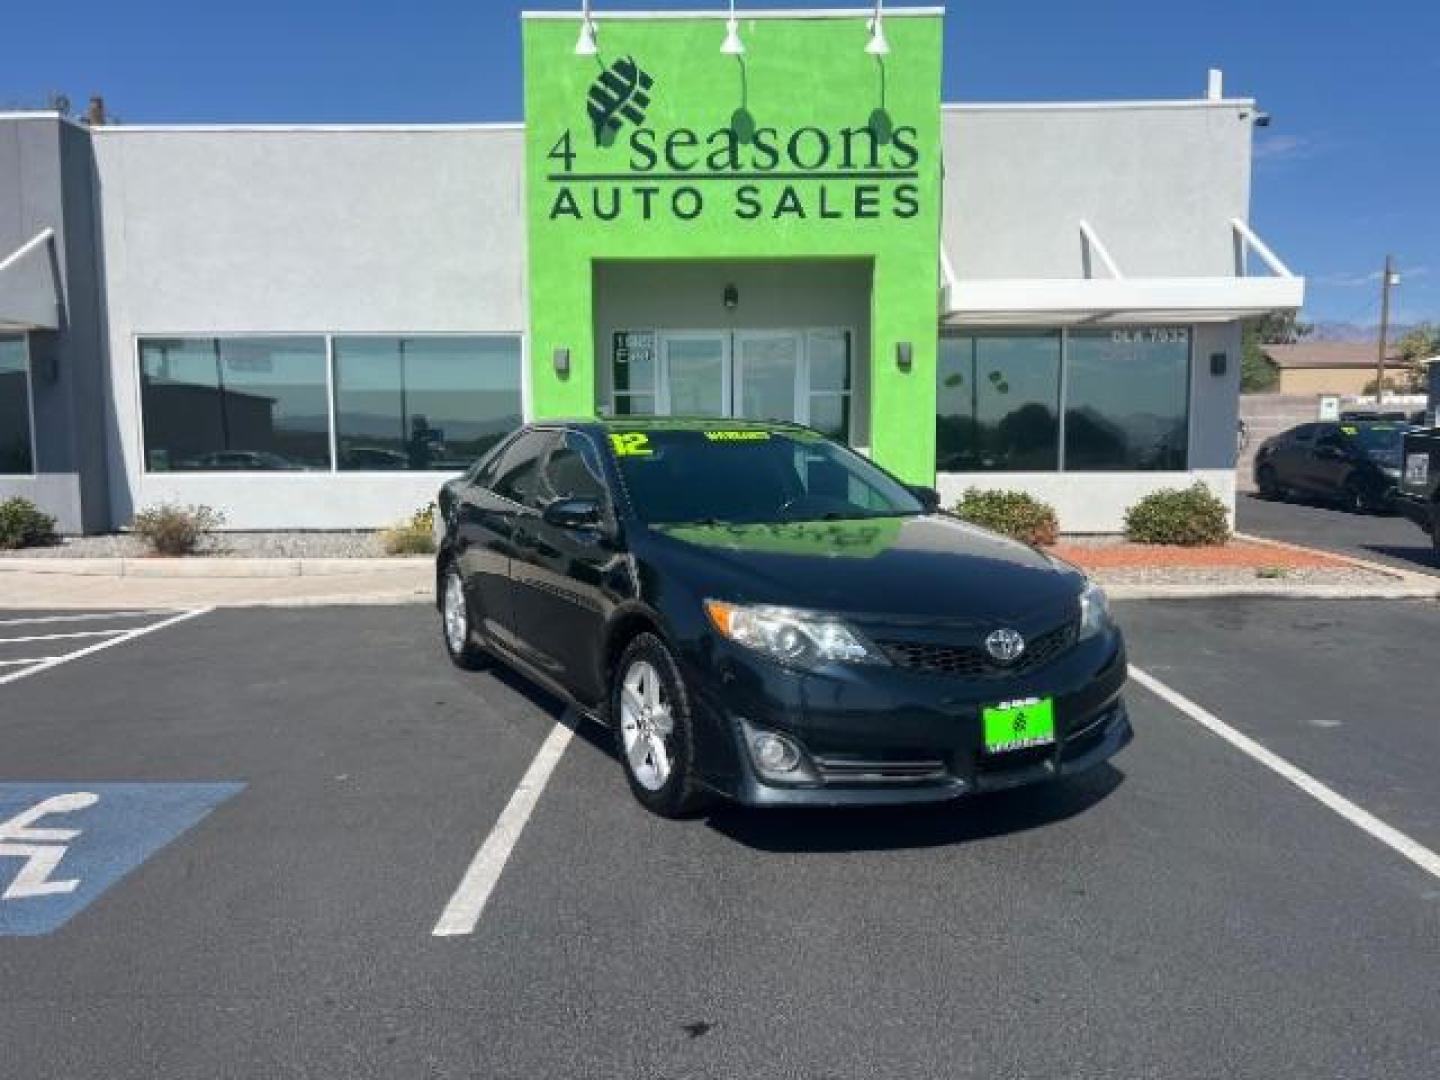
(402, 231)
(1159, 182)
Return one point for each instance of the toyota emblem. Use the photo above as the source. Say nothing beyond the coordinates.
(1005, 645)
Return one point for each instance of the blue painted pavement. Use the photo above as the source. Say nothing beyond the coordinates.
(63, 845)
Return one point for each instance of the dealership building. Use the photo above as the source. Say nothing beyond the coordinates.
(310, 326)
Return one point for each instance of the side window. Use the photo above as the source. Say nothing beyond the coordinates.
(573, 469)
(1330, 436)
(1304, 435)
(517, 471)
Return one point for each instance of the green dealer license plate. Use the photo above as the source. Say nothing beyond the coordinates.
(1016, 725)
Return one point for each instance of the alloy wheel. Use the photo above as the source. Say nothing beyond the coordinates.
(646, 725)
(456, 619)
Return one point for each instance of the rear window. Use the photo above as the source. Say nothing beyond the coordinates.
(749, 475)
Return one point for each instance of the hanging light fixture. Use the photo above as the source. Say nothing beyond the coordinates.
(585, 43)
(878, 46)
(732, 45)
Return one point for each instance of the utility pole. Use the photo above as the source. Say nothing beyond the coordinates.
(1387, 279)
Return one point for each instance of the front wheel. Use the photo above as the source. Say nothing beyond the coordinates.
(654, 729)
(455, 623)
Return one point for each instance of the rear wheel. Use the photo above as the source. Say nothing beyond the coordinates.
(654, 729)
(1269, 483)
(455, 623)
(1356, 501)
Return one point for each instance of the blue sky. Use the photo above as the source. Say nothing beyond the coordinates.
(1349, 169)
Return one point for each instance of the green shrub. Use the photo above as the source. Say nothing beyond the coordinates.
(171, 529)
(1192, 517)
(415, 536)
(1017, 514)
(23, 524)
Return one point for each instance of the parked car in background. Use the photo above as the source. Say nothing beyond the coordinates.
(1418, 497)
(1355, 463)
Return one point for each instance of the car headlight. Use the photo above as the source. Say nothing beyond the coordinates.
(798, 638)
(1094, 610)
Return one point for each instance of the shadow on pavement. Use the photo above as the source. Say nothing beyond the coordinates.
(894, 828)
(1421, 555)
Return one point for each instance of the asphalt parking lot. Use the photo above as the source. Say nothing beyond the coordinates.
(285, 801)
(1382, 538)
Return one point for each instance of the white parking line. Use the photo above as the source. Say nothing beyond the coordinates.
(58, 637)
(124, 636)
(31, 620)
(27, 660)
(1388, 835)
(462, 913)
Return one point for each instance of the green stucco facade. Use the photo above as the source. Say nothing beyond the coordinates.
(806, 147)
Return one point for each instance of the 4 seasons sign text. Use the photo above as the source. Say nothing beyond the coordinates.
(622, 169)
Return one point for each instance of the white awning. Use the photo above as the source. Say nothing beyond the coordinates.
(29, 299)
(1120, 299)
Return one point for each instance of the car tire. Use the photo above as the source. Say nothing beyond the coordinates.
(456, 626)
(1354, 497)
(1269, 485)
(654, 729)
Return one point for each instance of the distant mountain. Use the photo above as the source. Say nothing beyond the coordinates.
(1347, 331)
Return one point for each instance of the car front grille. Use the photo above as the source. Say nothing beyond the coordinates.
(973, 662)
(848, 770)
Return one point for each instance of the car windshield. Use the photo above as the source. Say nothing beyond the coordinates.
(1380, 440)
(751, 475)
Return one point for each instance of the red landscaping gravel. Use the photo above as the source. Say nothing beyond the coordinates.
(1237, 553)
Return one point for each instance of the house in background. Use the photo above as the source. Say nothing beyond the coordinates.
(1328, 367)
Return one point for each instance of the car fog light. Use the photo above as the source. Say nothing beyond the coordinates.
(775, 754)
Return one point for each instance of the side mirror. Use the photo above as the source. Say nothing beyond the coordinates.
(576, 512)
(928, 496)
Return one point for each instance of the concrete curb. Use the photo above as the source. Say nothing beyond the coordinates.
(1412, 578)
(201, 567)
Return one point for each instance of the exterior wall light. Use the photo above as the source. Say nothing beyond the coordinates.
(585, 44)
(561, 360)
(904, 355)
(731, 297)
(878, 46)
(1219, 361)
(732, 46)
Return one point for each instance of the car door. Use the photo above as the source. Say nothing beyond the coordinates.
(487, 519)
(567, 580)
(1330, 461)
(1292, 460)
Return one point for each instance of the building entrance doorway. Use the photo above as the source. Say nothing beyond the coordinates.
(802, 374)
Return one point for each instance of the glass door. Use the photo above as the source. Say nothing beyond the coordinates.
(768, 375)
(695, 374)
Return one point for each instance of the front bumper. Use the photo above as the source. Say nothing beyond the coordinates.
(884, 736)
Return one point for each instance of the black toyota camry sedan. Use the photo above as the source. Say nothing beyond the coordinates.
(762, 614)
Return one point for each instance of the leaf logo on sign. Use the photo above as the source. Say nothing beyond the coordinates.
(622, 92)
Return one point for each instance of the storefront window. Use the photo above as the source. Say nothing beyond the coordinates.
(16, 455)
(998, 403)
(1127, 399)
(235, 404)
(423, 402)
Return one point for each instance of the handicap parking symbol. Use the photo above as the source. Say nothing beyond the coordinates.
(63, 845)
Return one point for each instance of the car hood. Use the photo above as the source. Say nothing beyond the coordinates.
(929, 568)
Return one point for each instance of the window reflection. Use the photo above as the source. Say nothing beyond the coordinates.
(423, 402)
(253, 404)
(998, 402)
(15, 442)
(1127, 399)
